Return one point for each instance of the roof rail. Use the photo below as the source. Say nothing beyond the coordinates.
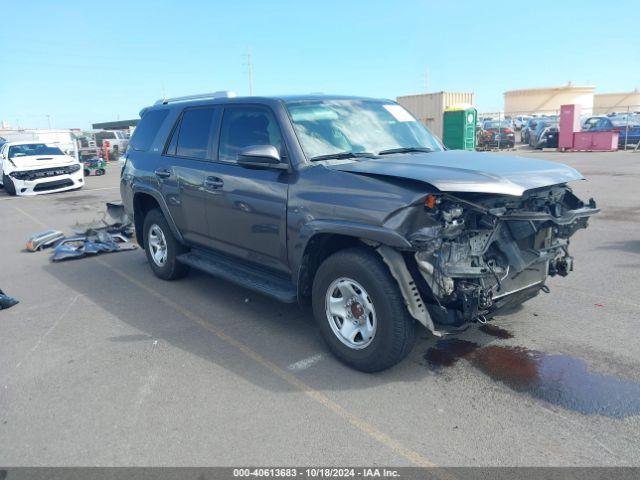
(200, 96)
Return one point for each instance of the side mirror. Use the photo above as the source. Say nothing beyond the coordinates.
(261, 156)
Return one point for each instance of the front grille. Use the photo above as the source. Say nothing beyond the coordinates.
(41, 187)
(45, 172)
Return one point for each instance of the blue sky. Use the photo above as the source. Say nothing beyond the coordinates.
(85, 62)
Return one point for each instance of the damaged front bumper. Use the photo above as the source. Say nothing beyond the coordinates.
(476, 255)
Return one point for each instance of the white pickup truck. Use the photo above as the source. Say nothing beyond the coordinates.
(118, 141)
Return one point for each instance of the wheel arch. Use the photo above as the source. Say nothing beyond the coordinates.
(143, 202)
(386, 242)
(324, 238)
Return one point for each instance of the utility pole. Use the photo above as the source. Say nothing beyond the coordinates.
(250, 70)
(48, 120)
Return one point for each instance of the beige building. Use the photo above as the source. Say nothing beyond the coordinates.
(429, 107)
(548, 100)
(616, 102)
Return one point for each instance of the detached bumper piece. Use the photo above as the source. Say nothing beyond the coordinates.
(93, 244)
(109, 234)
(43, 240)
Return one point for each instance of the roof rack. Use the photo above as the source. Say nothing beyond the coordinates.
(200, 96)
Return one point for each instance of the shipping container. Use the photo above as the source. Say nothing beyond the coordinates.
(429, 107)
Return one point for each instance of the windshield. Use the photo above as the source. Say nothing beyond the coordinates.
(30, 149)
(546, 124)
(327, 127)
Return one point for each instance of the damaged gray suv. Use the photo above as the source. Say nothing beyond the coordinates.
(352, 204)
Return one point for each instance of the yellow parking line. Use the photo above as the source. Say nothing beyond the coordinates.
(361, 424)
(29, 216)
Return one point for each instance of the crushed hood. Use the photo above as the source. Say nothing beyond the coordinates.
(460, 171)
(34, 162)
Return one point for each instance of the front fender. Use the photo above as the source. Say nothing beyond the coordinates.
(371, 233)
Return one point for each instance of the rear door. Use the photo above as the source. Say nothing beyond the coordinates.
(187, 164)
(246, 208)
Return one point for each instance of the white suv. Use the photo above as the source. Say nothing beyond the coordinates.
(31, 168)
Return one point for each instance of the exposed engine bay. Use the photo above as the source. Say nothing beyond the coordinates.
(476, 254)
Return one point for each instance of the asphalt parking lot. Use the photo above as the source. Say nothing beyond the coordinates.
(104, 364)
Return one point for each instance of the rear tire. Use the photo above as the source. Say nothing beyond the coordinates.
(9, 187)
(373, 291)
(162, 248)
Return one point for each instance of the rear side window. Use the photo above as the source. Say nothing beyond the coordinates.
(192, 137)
(147, 129)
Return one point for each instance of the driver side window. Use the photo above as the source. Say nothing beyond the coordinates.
(244, 127)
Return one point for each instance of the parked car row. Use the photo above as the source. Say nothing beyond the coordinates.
(627, 126)
(542, 131)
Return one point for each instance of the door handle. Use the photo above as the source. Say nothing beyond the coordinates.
(213, 183)
(162, 173)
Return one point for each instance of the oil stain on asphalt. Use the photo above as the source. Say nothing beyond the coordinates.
(495, 331)
(558, 379)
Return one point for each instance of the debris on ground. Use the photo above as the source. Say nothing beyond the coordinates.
(6, 301)
(114, 220)
(93, 243)
(43, 240)
(111, 233)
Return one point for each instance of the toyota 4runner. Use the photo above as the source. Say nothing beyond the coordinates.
(351, 203)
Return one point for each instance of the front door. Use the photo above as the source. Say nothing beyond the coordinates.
(247, 208)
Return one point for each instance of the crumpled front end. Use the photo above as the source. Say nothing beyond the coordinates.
(476, 254)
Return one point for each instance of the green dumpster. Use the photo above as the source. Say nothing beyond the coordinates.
(459, 128)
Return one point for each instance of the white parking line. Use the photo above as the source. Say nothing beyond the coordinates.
(305, 363)
(96, 189)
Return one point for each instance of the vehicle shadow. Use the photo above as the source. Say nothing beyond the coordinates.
(629, 246)
(247, 337)
(280, 333)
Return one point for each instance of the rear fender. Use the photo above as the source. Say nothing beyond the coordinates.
(142, 189)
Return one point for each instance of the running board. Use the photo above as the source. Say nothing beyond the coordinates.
(241, 273)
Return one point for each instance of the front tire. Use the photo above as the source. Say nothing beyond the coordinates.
(9, 187)
(162, 248)
(361, 312)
